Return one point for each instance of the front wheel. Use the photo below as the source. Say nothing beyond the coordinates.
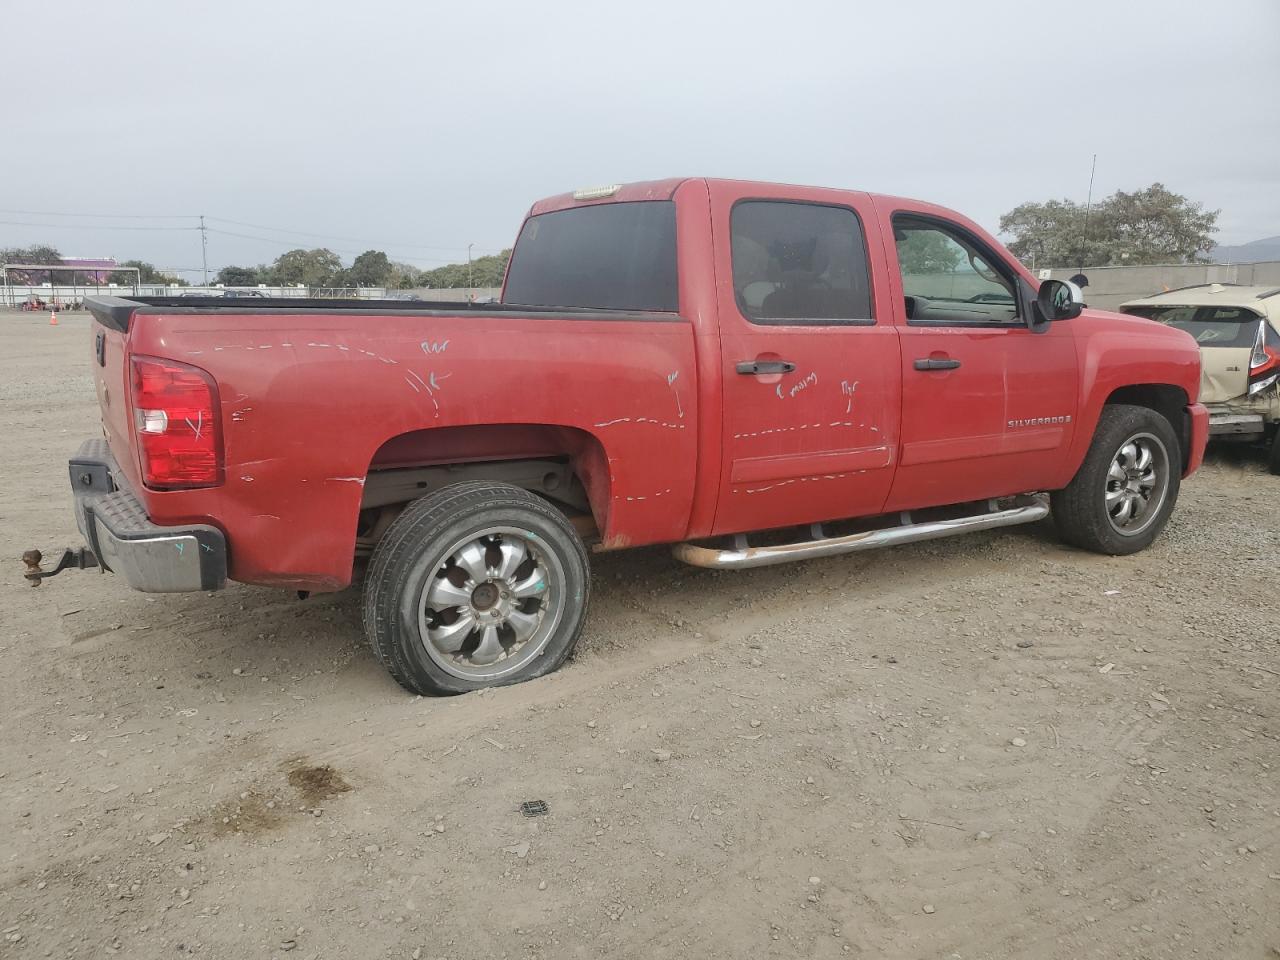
(476, 585)
(1122, 495)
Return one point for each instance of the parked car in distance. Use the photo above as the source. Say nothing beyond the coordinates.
(1238, 330)
(754, 373)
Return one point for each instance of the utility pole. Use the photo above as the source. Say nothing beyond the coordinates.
(204, 249)
(470, 280)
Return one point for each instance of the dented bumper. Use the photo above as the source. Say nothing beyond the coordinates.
(116, 527)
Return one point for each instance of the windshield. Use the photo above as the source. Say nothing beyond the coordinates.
(1211, 326)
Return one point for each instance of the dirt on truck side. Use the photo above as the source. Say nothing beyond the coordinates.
(984, 747)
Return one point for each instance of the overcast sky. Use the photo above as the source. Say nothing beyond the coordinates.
(419, 127)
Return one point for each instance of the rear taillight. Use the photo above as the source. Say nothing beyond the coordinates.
(176, 421)
(1264, 363)
(1263, 356)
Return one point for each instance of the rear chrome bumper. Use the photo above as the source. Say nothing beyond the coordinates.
(152, 558)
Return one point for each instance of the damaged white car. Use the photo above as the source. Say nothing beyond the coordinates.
(1238, 329)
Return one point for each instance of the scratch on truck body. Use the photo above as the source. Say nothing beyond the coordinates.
(671, 382)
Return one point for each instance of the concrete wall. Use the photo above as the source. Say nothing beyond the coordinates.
(1111, 286)
(457, 295)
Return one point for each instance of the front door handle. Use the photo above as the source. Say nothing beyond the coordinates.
(750, 367)
(936, 363)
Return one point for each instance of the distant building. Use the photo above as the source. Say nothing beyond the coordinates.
(77, 271)
(97, 269)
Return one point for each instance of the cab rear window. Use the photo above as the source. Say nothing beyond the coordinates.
(613, 256)
(1211, 326)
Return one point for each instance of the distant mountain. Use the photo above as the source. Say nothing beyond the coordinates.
(1255, 252)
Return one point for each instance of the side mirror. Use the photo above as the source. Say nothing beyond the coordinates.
(1059, 300)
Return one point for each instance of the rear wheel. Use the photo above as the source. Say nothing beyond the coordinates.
(1274, 461)
(1122, 495)
(477, 585)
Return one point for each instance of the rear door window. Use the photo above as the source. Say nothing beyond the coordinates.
(613, 256)
(800, 264)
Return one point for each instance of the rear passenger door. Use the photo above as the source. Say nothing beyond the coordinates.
(811, 368)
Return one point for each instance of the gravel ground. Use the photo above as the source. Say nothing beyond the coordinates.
(990, 746)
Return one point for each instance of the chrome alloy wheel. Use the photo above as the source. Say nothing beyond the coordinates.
(1137, 484)
(494, 601)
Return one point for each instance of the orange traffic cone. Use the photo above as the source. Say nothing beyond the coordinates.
(53, 318)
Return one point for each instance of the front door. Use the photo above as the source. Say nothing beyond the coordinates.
(811, 367)
(988, 406)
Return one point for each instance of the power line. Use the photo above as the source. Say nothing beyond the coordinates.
(196, 216)
(106, 216)
(204, 229)
(327, 236)
(84, 226)
(289, 243)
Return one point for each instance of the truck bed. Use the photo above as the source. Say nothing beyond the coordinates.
(116, 312)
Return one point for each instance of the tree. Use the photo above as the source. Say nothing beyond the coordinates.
(40, 253)
(238, 277)
(481, 272)
(147, 273)
(311, 268)
(927, 251)
(1153, 225)
(403, 276)
(370, 269)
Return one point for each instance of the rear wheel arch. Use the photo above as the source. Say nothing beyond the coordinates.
(494, 451)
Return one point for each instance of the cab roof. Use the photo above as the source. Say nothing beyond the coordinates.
(665, 190)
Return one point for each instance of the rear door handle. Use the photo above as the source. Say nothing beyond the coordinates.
(751, 367)
(934, 363)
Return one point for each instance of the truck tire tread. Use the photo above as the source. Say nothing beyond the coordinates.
(1079, 511)
(416, 527)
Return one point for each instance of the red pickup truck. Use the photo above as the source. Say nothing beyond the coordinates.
(752, 372)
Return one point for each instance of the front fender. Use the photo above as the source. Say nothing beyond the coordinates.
(1132, 360)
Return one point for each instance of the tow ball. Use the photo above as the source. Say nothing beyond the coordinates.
(81, 559)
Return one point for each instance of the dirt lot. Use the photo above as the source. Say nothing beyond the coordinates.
(984, 747)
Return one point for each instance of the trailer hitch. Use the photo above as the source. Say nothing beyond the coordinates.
(81, 559)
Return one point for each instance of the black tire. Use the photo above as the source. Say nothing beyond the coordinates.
(1080, 510)
(1273, 462)
(416, 553)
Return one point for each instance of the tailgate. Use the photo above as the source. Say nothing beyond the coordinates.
(109, 363)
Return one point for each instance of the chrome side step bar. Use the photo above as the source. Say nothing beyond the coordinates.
(742, 556)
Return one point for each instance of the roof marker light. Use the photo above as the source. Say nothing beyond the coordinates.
(596, 193)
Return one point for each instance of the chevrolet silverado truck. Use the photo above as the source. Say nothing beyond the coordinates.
(753, 373)
(1238, 331)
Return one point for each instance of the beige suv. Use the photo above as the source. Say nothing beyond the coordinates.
(1238, 329)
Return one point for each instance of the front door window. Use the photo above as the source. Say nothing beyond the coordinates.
(948, 279)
